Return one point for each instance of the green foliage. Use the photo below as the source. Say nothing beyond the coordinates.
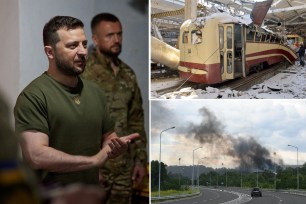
(286, 178)
(155, 174)
(167, 181)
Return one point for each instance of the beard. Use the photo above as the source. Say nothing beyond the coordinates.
(110, 53)
(68, 68)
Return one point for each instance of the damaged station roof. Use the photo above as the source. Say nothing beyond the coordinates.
(285, 16)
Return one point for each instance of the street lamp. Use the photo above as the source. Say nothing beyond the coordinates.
(257, 169)
(198, 174)
(160, 158)
(225, 175)
(241, 176)
(179, 173)
(297, 166)
(274, 171)
(257, 178)
(193, 164)
(198, 170)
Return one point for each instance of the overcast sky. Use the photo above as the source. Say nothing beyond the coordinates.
(228, 130)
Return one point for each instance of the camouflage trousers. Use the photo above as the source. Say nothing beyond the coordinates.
(116, 181)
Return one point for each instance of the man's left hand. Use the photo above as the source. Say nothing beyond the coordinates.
(139, 172)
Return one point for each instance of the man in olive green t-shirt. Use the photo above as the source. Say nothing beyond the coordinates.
(63, 121)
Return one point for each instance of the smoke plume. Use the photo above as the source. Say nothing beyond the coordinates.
(245, 151)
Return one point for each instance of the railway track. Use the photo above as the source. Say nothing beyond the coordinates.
(240, 84)
(243, 84)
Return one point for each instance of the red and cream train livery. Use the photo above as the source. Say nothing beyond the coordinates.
(221, 47)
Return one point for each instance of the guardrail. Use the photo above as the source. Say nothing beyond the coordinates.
(173, 197)
(289, 191)
(295, 192)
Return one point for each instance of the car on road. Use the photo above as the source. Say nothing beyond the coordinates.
(256, 192)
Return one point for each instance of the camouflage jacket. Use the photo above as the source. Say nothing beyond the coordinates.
(124, 99)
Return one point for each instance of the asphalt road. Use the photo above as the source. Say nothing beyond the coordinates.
(208, 196)
(237, 196)
(272, 197)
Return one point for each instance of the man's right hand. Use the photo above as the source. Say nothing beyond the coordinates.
(114, 146)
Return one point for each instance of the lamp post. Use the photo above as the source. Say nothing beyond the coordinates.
(274, 171)
(179, 173)
(193, 164)
(257, 178)
(297, 166)
(160, 158)
(198, 175)
(257, 168)
(243, 168)
(225, 174)
(225, 177)
(240, 177)
(198, 170)
(209, 178)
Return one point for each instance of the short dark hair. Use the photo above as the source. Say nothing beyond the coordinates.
(103, 17)
(50, 35)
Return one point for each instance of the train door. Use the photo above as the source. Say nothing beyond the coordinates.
(239, 50)
(227, 55)
(232, 49)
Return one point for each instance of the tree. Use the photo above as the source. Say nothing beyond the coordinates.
(155, 173)
(285, 178)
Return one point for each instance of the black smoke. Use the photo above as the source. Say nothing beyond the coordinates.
(210, 130)
(246, 151)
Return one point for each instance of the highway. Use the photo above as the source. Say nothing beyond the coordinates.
(237, 196)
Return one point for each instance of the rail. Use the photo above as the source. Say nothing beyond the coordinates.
(294, 192)
(288, 191)
(174, 197)
(242, 84)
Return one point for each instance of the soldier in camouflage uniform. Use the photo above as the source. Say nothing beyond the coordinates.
(118, 81)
